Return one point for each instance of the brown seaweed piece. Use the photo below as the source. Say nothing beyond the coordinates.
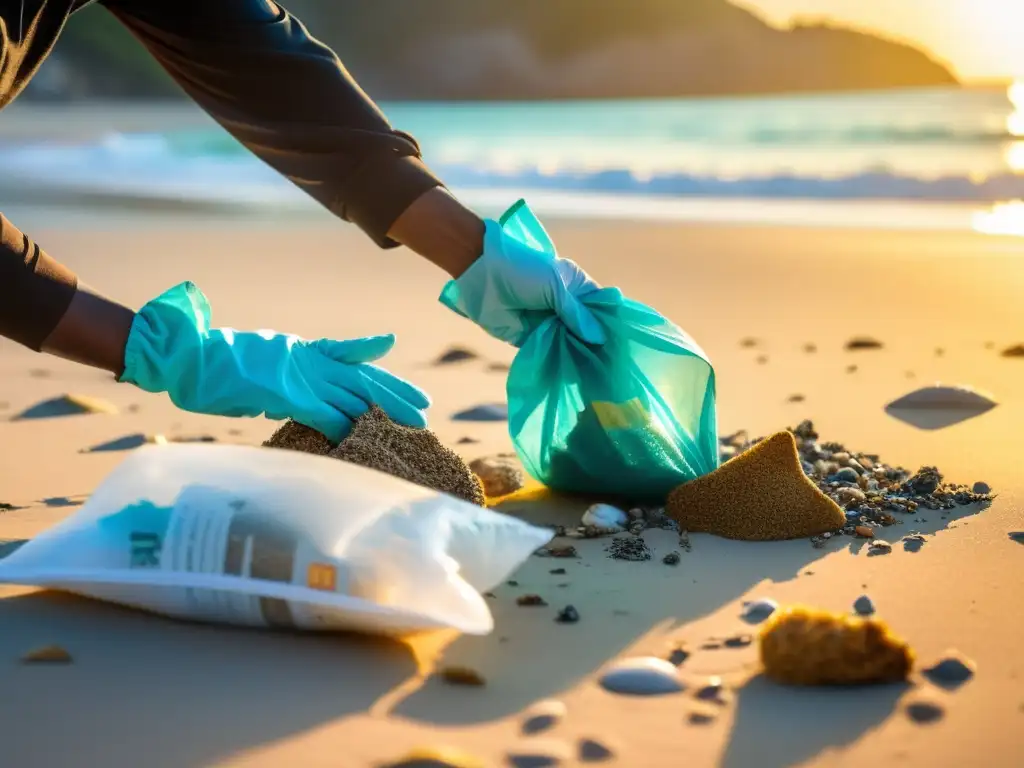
(761, 495)
(377, 442)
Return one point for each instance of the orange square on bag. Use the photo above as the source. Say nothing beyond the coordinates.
(322, 576)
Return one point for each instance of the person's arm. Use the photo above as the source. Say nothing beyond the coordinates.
(287, 97)
(43, 307)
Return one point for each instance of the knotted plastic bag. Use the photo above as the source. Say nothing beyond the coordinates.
(634, 417)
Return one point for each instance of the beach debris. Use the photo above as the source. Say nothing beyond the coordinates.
(486, 412)
(879, 547)
(566, 551)
(6, 507)
(641, 676)
(796, 398)
(568, 615)
(66, 405)
(593, 751)
(461, 676)
(530, 600)
(951, 671)
(628, 548)
(713, 690)
(436, 757)
(924, 712)
(701, 716)
(761, 495)
(672, 558)
(850, 496)
(557, 571)
(980, 488)
(808, 646)
(863, 342)
(455, 355)
(605, 516)
(749, 342)
(543, 716)
(48, 654)
(678, 654)
(1017, 350)
(756, 611)
(540, 753)
(377, 442)
(466, 440)
(863, 606)
(500, 475)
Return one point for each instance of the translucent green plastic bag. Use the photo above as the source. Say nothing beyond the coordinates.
(632, 418)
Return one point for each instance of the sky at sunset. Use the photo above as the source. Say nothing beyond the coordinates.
(980, 39)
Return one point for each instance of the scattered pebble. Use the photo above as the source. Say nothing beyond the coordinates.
(863, 342)
(540, 753)
(847, 475)
(924, 712)
(461, 676)
(852, 368)
(629, 548)
(1017, 350)
(592, 751)
(565, 552)
(605, 516)
(543, 716)
(642, 676)
(455, 355)
(557, 571)
(863, 606)
(738, 641)
(678, 655)
(488, 412)
(864, 531)
(713, 691)
(951, 672)
(500, 475)
(913, 542)
(756, 611)
(512, 583)
(1017, 536)
(48, 654)
(879, 547)
(467, 440)
(749, 342)
(980, 488)
(530, 600)
(672, 558)
(796, 398)
(700, 716)
(568, 615)
(810, 348)
(436, 757)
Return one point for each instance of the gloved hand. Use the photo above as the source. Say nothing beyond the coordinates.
(323, 384)
(520, 281)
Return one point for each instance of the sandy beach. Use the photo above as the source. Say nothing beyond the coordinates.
(148, 691)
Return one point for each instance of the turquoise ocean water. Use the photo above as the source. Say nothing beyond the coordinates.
(932, 157)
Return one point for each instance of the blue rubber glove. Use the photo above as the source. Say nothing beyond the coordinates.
(520, 281)
(323, 384)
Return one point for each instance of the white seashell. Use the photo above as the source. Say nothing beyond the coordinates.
(642, 676)
(605, 516)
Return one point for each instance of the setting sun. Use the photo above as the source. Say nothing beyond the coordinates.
(980, 39)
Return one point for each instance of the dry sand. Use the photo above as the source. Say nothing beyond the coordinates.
(147, 691)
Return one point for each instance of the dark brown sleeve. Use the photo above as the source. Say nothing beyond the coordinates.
(286, 96)
(35, 290)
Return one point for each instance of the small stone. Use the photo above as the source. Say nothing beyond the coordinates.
(1017, 350)
(847, 475)
(540, 753)
(796, 398)
(530, 600)
(629, 548)
(606, 516)
(461, 676)
(701, 717)
(850, 496)
(48, 654)
(756, 611)
(678, 655)
(749, 342)
(455, 355)
(924, 712)
(591, 751)
(738, 641)
(1017, 536)
(879, 547)
(672, 558)
(951, 672)
(436, 757)
(642, 676)
(467, 440)
(863, 342)
(568, 615)
(568, 551)
(500, 475)
(864, 531)
(982, 489)
(712, 691)
(487, 412)
(543, 716)
(863, 606)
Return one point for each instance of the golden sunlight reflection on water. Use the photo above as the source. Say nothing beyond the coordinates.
(1007, 217)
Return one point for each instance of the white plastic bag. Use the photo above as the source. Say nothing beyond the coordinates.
(263, 537)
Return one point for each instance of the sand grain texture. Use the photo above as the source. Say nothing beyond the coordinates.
(761, 495)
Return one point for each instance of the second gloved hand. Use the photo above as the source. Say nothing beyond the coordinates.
(520, 281)
(323, 384)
